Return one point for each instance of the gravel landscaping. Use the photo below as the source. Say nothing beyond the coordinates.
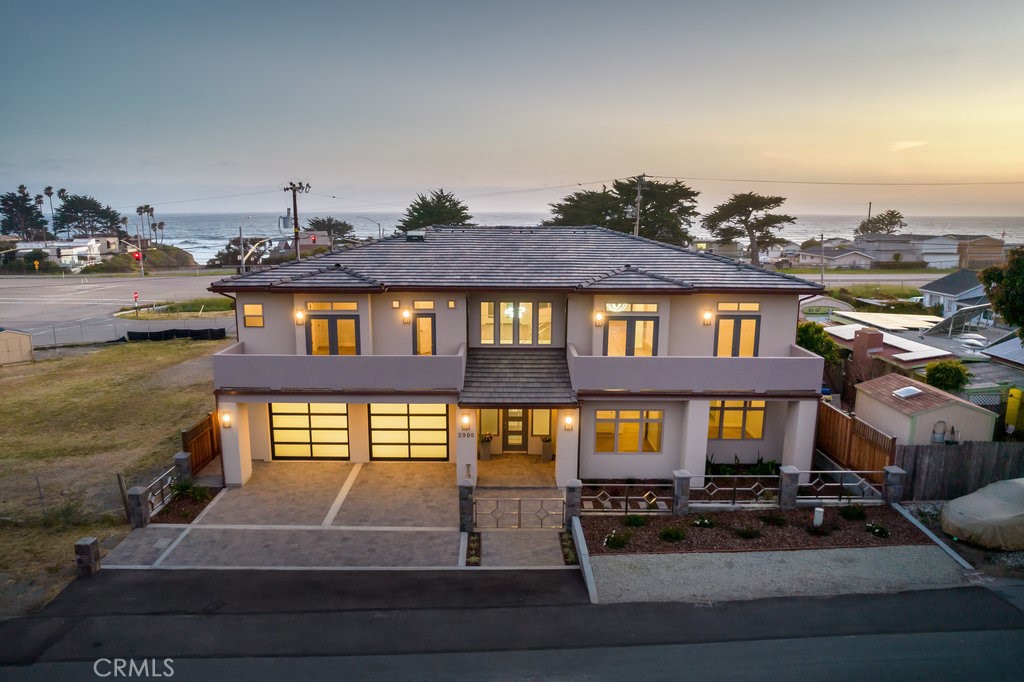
(745, 531)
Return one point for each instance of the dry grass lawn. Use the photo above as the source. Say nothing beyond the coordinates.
(73, 423)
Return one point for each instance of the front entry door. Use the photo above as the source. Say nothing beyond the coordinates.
(514, 438)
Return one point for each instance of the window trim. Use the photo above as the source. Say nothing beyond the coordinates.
(332, 333)
(641, 422)
(746, 409)
(416, 337)
(736, 334)
(631, 334)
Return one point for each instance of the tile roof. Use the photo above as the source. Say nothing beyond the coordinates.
(930, 398)
(954, 283)
(541, 258)
(534, 377)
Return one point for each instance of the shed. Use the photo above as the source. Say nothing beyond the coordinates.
(917, 414)
(15, 346)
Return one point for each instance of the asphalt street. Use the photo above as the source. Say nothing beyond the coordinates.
(498, 625)
(80, 309)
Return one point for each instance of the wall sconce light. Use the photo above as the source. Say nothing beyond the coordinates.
(708, 316)
(406, 316)
(598, 319)
(395, 304)
(465, 422)
(451, 303)
(300, 316)
(225, 420)
(568, 422)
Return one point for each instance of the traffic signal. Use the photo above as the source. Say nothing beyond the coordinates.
(137, 255)
(313, 237)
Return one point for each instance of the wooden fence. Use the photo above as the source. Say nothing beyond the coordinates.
(852, 443)
(202, 442)
(945, 472)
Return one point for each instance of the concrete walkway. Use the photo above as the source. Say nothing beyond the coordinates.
(521, 548)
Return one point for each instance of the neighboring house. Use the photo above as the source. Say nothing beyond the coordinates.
(784, 250)
(978, 251)
(835, 258)
(956, 290)
(728, 248)
(73, 253)
(635, 358)
(917, 414)
(938, 252)
(309, 241)
(15, 346)
(885, 248)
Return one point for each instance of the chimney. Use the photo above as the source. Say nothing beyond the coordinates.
(865, 342)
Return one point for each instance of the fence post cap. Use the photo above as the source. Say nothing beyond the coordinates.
(85, 542)
(574, 483)
(465, 483)
(681, 473)
(138, 490)
(789, 469)
(181, 455)
(892, 469)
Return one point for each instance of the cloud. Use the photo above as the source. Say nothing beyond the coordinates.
(903, 145)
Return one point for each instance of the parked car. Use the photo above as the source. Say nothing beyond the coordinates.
(992, 517)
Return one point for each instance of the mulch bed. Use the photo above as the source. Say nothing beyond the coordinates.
(723, 537)
(183, 509)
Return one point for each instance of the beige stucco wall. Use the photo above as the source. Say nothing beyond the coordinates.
(393, 337)
(882, 417)
(277, 335)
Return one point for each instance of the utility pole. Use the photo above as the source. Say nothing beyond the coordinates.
(639, 191)
(869, 210)
(822, 259)
(295, 188)
(142, 254)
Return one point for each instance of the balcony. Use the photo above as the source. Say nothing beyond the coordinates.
(235, 370)
(795, 375)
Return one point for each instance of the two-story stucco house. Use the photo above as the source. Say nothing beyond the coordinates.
(633, 357)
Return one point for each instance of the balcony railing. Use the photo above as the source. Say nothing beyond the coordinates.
(800, 372)
(234, 369)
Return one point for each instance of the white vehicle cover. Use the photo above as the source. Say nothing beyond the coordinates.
(992, 517)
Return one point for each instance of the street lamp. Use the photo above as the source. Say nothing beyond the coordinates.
(254, 246)
(380, 229)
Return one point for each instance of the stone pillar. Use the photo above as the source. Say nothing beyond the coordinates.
(87, 556)
(573, 500)
(789, 482)
(466, 506)
(138, 506)
(681, 492)
(892, 487)
(183, 465)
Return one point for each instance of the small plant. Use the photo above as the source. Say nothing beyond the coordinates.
(486, 437)
(473, 550)
(773, 520)
(615, 541)
(853, 512)
(569, 555)
(672, 534)
(70, 513)
(877, 529)
(634, 520)
(822, 531)
(186, 488)
(704, 522)
(747, 533)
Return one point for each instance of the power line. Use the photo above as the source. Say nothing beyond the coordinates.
(843, 183)
(186, 201)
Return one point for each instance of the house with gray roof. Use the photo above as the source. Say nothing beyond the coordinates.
(618, 356)
(956, 290)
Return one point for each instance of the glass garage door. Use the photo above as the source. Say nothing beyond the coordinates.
(309, 430)
(408, 432)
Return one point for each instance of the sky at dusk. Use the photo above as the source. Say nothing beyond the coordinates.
(371, 102)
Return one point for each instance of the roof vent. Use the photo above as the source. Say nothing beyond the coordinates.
(907, 392)
(417, 235)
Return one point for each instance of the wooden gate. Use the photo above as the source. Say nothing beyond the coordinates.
(202, 442)
(852, 443)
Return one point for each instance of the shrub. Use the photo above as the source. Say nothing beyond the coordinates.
(747, 533)
(70, 513)
(877, 529)
(672, 534)
(615, 541)
(634, 520)
(704, 522)
(773, 520)
(853, 512)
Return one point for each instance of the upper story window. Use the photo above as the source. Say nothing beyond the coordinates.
(737, 330)
(422, 305)
(631, 336)
(631, 307)
(515, 323)
(332, 305)
(332, 334)
(252, 314)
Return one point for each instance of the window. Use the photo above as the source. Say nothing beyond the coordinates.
(332, 335)
(422, 305)
(631, 307)
(628, 432)
(736, 420)
(253, 314)
(739, 307)
(633, 336)
(423, 334)
(309, 430)
(332, 305)
(737, 336)
(400, 431)
(540, 422)
(522, 323)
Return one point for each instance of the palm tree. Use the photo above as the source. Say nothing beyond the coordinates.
(48, 191)
(39, 204)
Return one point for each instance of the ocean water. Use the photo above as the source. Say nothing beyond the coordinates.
(203, 234)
